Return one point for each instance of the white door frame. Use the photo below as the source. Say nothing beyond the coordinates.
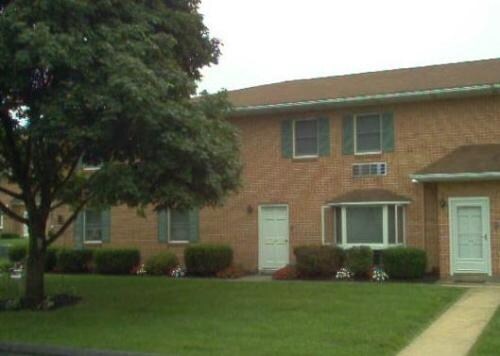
(261, 244)
(485, 202)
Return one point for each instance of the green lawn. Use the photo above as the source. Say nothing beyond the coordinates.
(489, 342)
(215, 317)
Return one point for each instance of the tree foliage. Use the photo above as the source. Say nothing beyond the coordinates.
(109, 82)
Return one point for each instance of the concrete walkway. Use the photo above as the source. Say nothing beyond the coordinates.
(456, 331)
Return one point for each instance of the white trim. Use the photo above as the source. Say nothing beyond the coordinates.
(169, 232)
(259, 222)
(92, 168)
(355, 133)
(1, 220)
(484, 202)
(430, 94)
(84, 232)
(396, 202)
(294, 156)
(437, 177)
(385, 229)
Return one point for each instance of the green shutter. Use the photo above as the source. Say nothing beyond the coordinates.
(162, 226)
(324, 136)
(106, 225)
(78, 230)
(194, 225)
(287, 139)
(348, 135)
(387, 132)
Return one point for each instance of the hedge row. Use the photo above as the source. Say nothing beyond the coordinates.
(325, 261)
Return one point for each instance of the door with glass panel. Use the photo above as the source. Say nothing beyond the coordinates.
(470, 235)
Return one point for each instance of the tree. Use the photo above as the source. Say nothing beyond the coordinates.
(111, 83)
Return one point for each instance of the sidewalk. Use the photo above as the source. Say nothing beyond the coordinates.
(456, 331)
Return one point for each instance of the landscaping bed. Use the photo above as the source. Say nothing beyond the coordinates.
(199, 317)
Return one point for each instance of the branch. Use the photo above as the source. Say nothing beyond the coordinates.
(11, 193)
(68, 222)
(12, 214)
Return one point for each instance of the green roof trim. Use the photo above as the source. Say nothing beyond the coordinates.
(420, 95)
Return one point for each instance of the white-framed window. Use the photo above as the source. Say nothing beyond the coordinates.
(179, 226)
(92, 226)
(375, 225)
(367, 133)
(305, 138)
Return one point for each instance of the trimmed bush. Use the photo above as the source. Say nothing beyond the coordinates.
(17, 253)
(359, 260)
(207, 260)
(318, 261)
(405, 262)
(9, 236)
(73, 261)
(51, 258)
(116, 261)
(161, 264)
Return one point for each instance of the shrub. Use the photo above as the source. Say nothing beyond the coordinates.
(359, 260)
(405, 262)
(231, 272)
(5, 266)
(161, 264)
(73, 261)
(17, 253)
(9, 236)
(318, 261)
(51, 258)
(116, 261)
(207, 260)
(286, 273)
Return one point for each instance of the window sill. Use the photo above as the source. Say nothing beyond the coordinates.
(178, 242)
(371, 154)
(92, 242)
(305, 159)
(372, 246)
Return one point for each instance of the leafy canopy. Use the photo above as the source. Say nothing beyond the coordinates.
(110, 82)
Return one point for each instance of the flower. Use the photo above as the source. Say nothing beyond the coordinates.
(178, 272)
(379, 275)
(344, 274)
(141, 271)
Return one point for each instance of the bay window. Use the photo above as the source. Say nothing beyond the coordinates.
(377, 225)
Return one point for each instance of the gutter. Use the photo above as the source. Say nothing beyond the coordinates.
(419, 95)
(454, 177)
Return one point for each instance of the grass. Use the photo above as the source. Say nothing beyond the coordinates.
(489, 342)
(213, 317)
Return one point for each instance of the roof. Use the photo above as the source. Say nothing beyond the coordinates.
(372, 195)
(470, 162)
(407, 80)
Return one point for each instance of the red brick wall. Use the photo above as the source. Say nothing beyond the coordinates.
(424, 132)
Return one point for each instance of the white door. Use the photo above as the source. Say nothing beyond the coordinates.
(470, 235)
(273, 237)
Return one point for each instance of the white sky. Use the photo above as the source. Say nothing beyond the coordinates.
(266, 41)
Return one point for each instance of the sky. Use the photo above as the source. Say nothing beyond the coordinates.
(267, 41)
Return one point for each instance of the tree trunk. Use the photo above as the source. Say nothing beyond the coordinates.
(35, 268)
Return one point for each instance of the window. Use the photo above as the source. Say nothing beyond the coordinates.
(179, 226)
(377, 226)
(305, 138)
(368, 133)
(92, 226)
(369, 169)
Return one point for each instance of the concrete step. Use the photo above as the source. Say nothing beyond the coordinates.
(470, 277)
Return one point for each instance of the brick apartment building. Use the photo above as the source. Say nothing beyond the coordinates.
(400, 157)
